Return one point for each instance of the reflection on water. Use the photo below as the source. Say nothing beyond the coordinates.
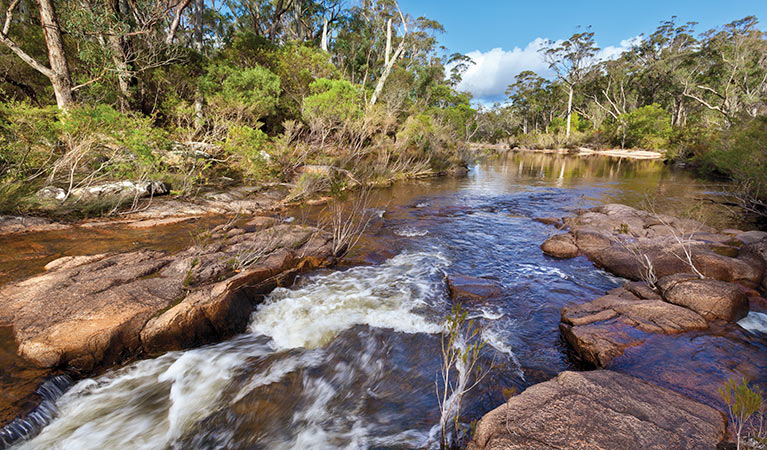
(348, 359)
(627, 181)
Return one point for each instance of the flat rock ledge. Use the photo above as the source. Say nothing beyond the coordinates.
(626, 242)
(23, 224)
(88, 312)
(602, 329)
(620, 239)
(599, 410)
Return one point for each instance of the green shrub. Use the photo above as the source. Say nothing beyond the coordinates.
(577, 123)
(744, 403)
(107, 130)
(690, 141)
(247, 148)
(741, 153)
(28, 139)
(298, 66)
(241, 96)
(333, 104)
(417, 132)
(648, 127)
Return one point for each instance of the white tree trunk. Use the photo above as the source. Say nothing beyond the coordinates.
(199, 99)
(385, 74)
(176, 21)
(569, 110)
(324, 43)
(388, 42)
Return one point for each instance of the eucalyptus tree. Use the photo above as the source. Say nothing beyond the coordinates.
(660, 60)
(728, 74)
(57, 71)
(571, 60)
(529, 97)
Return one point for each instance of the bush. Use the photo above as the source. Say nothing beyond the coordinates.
(577, 123)
(335, 105)
(131, 132)
(418, 132)
(334, 101)
(298, 66)
(690, 141)
(741, 154)
(648, 127)
(247, 147)
(240, 96)
(28, 139)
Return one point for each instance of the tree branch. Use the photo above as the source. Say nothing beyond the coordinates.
(25, 57)
(9, 17)
(176, 21)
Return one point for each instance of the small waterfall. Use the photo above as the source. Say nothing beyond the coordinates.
(24, 428)
(159, 403)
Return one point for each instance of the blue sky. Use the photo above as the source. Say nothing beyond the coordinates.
(503, 36)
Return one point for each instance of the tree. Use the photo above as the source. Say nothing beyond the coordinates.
(570, 60)
(390, 63)
(730, 72)
(58, 72)
(530, 98)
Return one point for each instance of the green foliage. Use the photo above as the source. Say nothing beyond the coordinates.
(298, 66)
(258, 99)
(248, 147)
(648, 127)
(242, 94)
(15, 196)
(332, 103)
(112, 129)
(418, 132)
(690, 141)
(741, 153)
(28, 138)
(743, 403)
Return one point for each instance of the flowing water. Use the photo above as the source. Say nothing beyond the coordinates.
(349, 358)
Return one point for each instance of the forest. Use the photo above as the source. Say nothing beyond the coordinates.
(699, 97)
(198, 93)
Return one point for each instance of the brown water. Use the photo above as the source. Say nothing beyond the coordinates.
(348, 358)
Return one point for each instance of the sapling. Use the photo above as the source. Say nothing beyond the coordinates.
(462, 344)
(743, 403)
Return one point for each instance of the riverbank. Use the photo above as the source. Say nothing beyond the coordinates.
(580, 151)
(149, 211)
(90, 313)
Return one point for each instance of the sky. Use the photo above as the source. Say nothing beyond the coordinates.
(503, 37)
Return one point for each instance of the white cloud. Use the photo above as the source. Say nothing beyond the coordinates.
(611, 52)
(494, 70)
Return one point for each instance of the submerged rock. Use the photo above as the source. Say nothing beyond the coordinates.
(599, 410)
(470, 289)
(696, 281)
(24, 224)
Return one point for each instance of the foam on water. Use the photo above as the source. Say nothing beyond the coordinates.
(410, 232)
(148, 404)
(754, 322)
(384, 296)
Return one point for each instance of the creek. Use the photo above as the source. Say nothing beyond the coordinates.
(348, 358)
